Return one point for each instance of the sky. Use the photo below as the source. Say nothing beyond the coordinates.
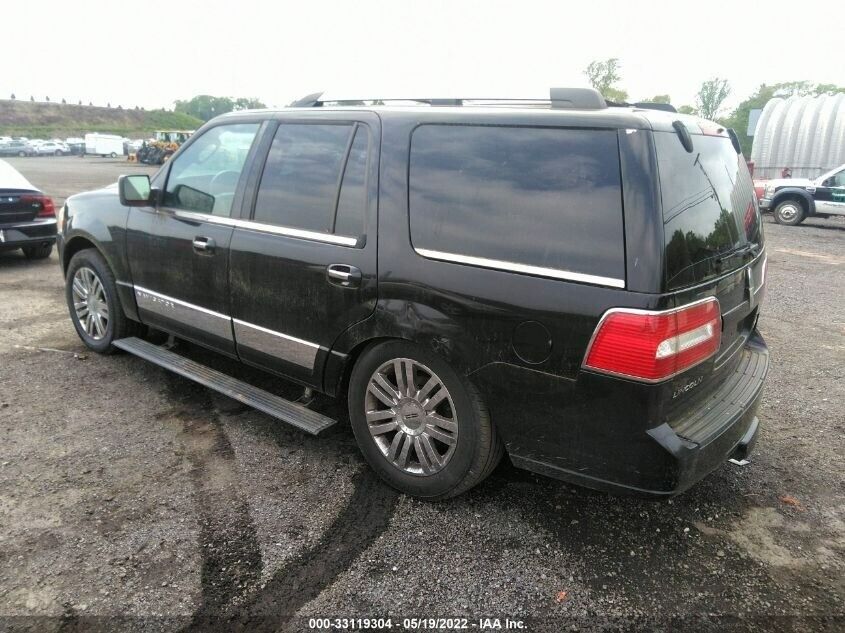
(151, 53)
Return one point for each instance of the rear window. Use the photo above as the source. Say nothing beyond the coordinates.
(519, 199)
(709, 208)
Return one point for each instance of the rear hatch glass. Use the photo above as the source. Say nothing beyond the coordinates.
(710, 215)
(711, 229)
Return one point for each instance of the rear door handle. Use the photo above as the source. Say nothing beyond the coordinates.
(204, 244)
(344, 275)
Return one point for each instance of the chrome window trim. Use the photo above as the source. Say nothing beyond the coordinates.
(260, 227)
(338, 240)
(537, 271)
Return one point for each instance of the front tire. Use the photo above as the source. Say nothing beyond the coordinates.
(38, 252)
(423, 428)
(93, 302)
(789, 212)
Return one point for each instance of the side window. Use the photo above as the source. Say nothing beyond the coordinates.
(352, 203)
(549, 198)
(299, 186)
(204, 177)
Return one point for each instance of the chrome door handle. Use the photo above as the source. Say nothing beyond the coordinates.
(344, 275)
(204, 244)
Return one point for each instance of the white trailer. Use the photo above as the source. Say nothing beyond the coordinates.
(104, 145)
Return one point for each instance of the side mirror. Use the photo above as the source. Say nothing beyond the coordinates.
(135, 191)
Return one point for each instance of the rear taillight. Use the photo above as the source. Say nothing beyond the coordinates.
(654, 346)
(42, 205)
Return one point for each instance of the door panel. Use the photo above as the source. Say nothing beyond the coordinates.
(179, 252)
(177, 288)
(315, 208)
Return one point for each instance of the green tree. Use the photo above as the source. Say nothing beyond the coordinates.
(687, 109)
(711, 96)
(659, 99)
(206, 107)
(602, 76)
(251, 103)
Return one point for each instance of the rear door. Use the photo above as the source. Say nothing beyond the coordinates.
(303, 263)
(179, 252)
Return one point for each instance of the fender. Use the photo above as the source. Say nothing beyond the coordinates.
(430, 328)
(98, 218)
(791, 192)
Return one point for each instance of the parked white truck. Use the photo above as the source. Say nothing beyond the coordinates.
(104, 145)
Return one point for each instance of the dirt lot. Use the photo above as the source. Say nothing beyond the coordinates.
(131, 498)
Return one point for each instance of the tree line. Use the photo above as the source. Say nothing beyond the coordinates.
(605, 75)
(206, 107)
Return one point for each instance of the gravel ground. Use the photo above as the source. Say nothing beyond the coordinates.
(131, 498)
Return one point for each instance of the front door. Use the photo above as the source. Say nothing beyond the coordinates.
(830, 195)
(303, 263)
(179, 252)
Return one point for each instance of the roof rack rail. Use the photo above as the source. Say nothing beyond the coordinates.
(564, 98)
(645, 105)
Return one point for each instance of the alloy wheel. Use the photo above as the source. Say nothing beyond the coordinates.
(411, 417)
(90, 303)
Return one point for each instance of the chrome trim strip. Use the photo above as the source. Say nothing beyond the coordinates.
(276, 344)
(124, 283)
(537, 271)
(183, 312)
(29, 224)
(260, 227)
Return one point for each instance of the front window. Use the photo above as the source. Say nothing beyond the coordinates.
(205, 176)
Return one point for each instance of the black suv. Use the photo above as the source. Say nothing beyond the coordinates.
(575, 284)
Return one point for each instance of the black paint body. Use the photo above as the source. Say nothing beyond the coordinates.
(521, 339)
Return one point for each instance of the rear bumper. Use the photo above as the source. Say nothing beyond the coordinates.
(31, 233)
(605, 442)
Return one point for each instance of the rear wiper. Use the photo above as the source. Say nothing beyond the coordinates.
(751, 247)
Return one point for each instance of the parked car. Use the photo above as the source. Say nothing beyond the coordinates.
(17, 148)
(27, 216)
(76, 145)
(792, 200)
(52, 148)
(576, 284)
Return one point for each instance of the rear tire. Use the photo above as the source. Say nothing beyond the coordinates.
(431, 451)
(89, 274)
(789, 212)
(38, 252)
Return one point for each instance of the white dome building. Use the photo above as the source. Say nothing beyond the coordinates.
(804, 134)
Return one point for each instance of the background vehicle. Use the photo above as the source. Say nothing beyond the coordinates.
(27, 216)
(76, 145)
(792, 200)
(16, 148)
(605, 333)
(52, 148)
(164, 144)
(104, 145)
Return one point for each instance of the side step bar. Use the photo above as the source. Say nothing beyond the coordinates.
(284, 410)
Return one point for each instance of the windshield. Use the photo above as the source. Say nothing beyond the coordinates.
(710, 216)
